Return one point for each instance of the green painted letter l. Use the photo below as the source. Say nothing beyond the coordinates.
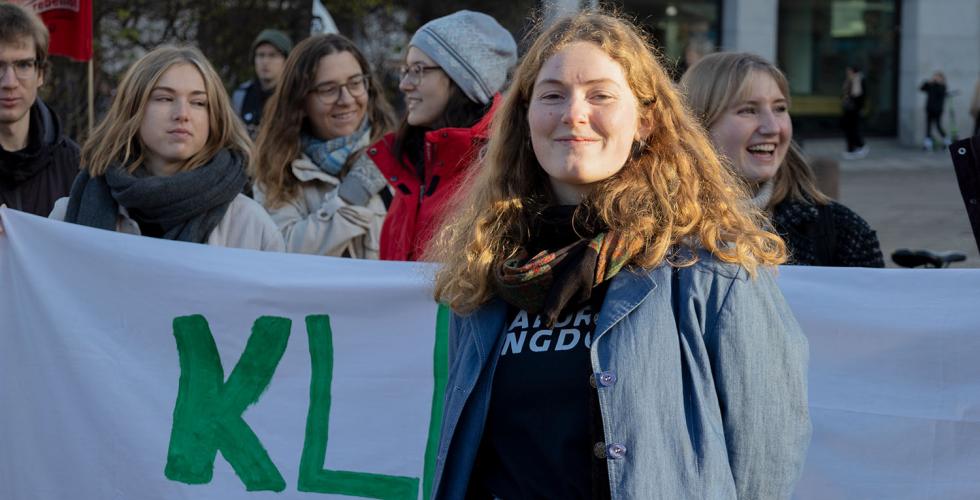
(312, 476)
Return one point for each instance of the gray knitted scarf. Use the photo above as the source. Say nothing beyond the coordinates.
(186, 205)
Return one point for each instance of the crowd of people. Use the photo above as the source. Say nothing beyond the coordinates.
(569, 184)
(331, 165)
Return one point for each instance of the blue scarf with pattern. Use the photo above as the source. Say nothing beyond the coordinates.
(330, 155)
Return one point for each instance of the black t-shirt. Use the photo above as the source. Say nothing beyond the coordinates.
(539, 435)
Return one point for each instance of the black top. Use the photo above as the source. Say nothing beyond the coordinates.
(539, 435)
(935, 96)
(544, 420)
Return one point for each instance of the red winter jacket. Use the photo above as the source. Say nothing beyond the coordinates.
(418, 203)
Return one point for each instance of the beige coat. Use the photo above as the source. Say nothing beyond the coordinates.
(319, 222)
(245, 225)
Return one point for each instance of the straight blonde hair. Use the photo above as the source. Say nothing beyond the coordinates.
(719, 81)
(116, 139)
(672, 193)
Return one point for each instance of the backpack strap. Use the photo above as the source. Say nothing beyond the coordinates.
(238, 98)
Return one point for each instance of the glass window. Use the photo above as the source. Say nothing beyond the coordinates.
(818, 39)
(683, 30)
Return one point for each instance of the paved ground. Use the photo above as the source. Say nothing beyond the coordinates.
(910, 197)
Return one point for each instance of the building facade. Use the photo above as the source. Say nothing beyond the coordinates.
(897, 43)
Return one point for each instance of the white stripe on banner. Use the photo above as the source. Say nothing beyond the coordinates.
(138, 368)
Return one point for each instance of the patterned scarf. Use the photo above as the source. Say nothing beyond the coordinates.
(553, 279)
(331, 155)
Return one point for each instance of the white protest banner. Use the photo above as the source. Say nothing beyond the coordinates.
(128, 363)
(894, 382)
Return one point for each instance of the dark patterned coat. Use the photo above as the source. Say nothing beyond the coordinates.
(826, 235)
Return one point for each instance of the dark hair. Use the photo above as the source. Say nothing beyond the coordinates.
(278, 142)
(17, 22)
(460, 112)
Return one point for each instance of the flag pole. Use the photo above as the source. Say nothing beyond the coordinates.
(91, 93)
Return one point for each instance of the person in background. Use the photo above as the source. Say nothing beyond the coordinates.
(269, 52)
(742, 100)
(309, 171)
(852, 103)
(168, 160)
(454, 68)
(935, 89)
(37, 162)
(616, 330)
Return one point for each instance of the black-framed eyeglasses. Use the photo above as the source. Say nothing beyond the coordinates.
(23, 68)
(329, 93)
(413, 74)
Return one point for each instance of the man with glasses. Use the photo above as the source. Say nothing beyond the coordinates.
(269, 52)
(37, 162)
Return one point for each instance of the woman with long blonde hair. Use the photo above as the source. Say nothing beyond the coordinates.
(168, 160)
(743, 102)
(617, 332)
(310, 171)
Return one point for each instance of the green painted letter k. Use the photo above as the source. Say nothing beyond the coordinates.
(208, 412)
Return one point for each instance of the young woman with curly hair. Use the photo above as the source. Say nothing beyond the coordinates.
(168, 161)
(310, 171)
(743, 101)
(617, 332)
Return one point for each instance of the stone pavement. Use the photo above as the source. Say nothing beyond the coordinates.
(910, 197)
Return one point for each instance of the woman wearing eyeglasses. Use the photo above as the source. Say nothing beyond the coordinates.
(310, 173)
(453, 70)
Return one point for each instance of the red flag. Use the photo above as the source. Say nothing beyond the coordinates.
(70, 24)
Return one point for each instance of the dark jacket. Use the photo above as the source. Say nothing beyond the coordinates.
(966, 160)
(826, 235)
(935, 97)
(249, 101)
(32, 179)
(419, 200)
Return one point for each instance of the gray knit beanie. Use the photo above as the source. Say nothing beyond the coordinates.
(276, 38)
(472, 48)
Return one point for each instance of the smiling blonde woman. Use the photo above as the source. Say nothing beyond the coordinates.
(743, 101)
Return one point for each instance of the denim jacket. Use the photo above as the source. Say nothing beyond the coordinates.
(701, 376)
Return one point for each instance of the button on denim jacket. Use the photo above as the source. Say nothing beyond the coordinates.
(704, 394)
